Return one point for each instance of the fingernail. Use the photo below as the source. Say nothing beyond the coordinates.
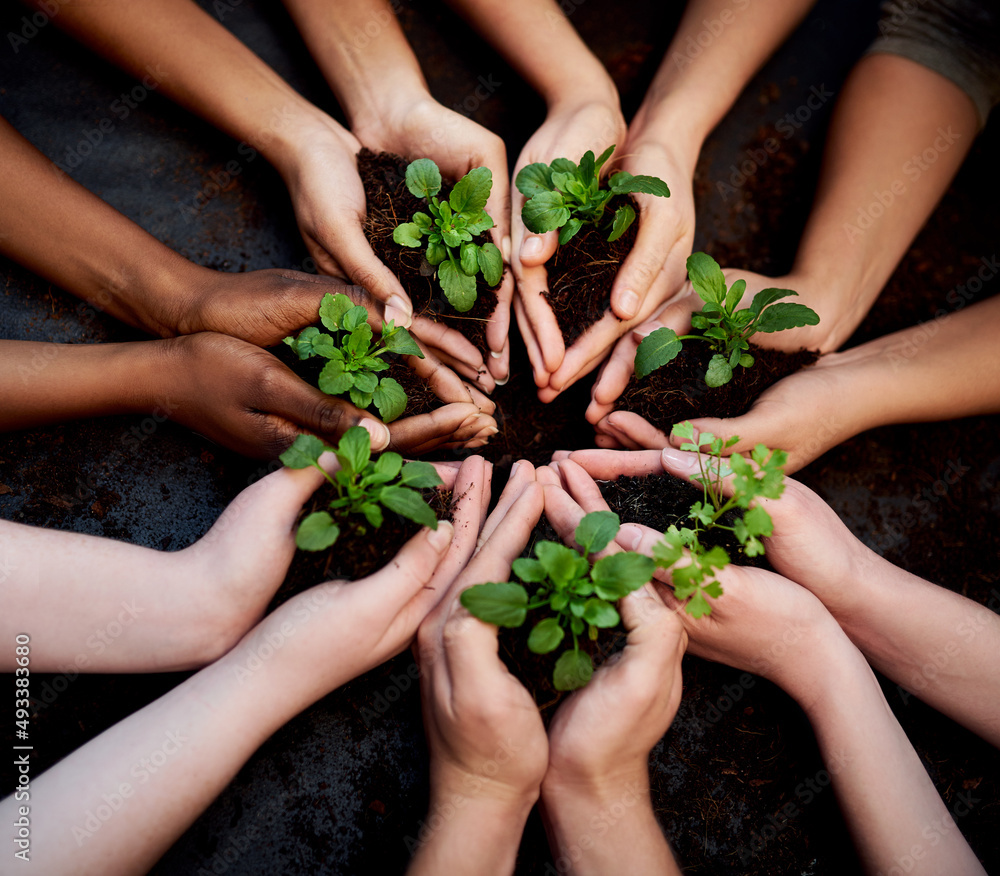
(678, 460)
(500, 382)
(490, 430)
(531, 246)
(505, 248)
(628, 303)
(378, 432)
(440, 538)
(646, 330)
(494, 354)
(629, 536)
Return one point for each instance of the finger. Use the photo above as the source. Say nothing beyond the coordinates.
(538, 368)
(608, 465)
(582, 487)
(412, 569)
(532, 283)
(622, 439)
(548, 475)
(522, 473)
(451, 347)
(498, 328)
(658, 243)
(445, 383)
(614, 377)
(639, 430)
(449, 425)
(499, 364)
(564, 513)
(537, 249)
(608, 442)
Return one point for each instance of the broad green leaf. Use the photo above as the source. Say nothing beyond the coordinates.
(317, 532)
(365, 381)
(558, 600)
(779, 317)
(423, 222)
(562, 180)
(354, 450)
(577, 189)
(333, 379)
(666, 552)
(373, 514)
(563, 165)
(423, 178)
(569, 230)
(401, 342)
(303, 344)
(576, 607)
(559, 561)
(388, 465)
(469, 260)
(436, 253)
(707, 278)
(768, 296)
(758, 522)
(451, 238)
(529, 570)
(459, 288)
(624, 217)
(325, 346)
(390, 399)
(603, 157)
(500, 603)
(588, 168)
(410, 504)
(573, 670)
(623, 183)
(355, 317)
(735, 294)
(617, 575)
(684, 430)
(332, 309)
(600, 613)
(746, 360)
(716, 333)
(576, 625)
(490, 263)
(472, 191)
(719, 371)
(479, 223)
(655, 350)
(305, 450)
(421, 475)
(408, 234)
(534, 179)
(360, 399)
(597, 530)
(545, 212)
(545, 636)
(360, 341)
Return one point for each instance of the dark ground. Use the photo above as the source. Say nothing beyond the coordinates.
(341, 788)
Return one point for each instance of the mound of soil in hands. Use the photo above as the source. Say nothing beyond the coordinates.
(678, 392)
(390, 204)
(360, 550)
(582, 271)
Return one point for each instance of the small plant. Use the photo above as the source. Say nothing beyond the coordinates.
(566, 196)
(727, 329)
(696, 580)
(450, 228)
(363, 487)
(355, 358)
(579, 595)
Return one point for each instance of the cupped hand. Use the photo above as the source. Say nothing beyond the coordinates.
(568, 132)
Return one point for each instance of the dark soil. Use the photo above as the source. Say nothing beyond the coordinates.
(678, 391)
(389, 204)
(581, 274)
(360, 550)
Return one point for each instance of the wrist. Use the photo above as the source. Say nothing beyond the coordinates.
(450, 783)
(382, 118)
(581, 790)
(670, 120)
(590, 87)
(292, 132)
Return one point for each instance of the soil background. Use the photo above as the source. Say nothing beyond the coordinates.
(343, 788)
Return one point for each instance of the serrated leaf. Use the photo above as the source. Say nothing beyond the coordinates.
(534, 179)
(758, 522)
(333, 379)
(707, 278)
(778, 317)
(529, 570)
(559, 561)
(354, 450)
(390, 399)
(325, 346)
(697, 605)
(360, 341)
(355, 317)
(665, 553)
(719, 371)
(421, 475)
(316, 532)
(500, 603)
(410, 504)
(360, 399)
(597, 530)
(600, 613)
(624, 183)
(545, 636)
(332, 309)
(480, 223)
(365, 381)
(423, 178)
(458, 288)
(408, 234)
(472, 191)
(545, 212)
(563, 165)
(768, 296)
(624, 217)
(490, 263)
(305, 450)
(617, 575)
(573, 670)
(451, 238)
(655, 350)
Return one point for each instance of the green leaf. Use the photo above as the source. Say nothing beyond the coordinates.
(655, 350)
(624, 217)
(436, 253)
(408, 234)
(469, 260)
(316, 532)
(545, 212)
(423, 222)
(667, 552)
(603, 157)
(588, 168)
(768, 296)
(479, 223)
(719, 371)
(758, 522)
(305, 450)
(706, 277)
(619, 574)
(562, 181)
(333, 379)
(360, 399)
(373, 514)
(398, 340)
(698, 606)
(325, 346)
(410, 504)
(421, 475)
(600, 613)
(365, 381)
(303, 344)
(332, 309)
(472, 191)
(573, 670)
(355, 317)
(490, 263)
(386, 467)
(459, 288)
(746, 360)
(423, 178)
(390, 399)
(563, 165)
(569, 230)
(545, 636)
(623, 183)
(735, 295)
(534, 179)
(559, 561)
(354, 450)
(529, 570)
(597, 530)
(501, 603)
(360, 341)
(779, 317)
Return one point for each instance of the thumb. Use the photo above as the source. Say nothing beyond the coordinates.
(537, 249)
(644, 263)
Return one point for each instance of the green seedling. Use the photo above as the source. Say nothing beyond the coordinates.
(578, 596)
(363, 487)
(727, 329)
(355, 356)
(449, 230)
(567, 196)
(696, 580)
